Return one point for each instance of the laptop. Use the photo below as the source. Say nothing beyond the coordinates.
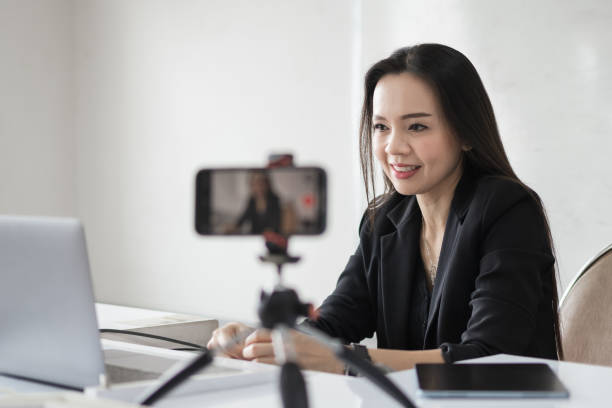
(47, 314)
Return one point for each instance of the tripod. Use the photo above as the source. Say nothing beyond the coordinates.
(278, 311)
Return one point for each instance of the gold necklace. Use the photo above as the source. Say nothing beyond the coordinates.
(433, 266)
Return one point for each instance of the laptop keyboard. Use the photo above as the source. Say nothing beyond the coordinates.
(119, 375)
(127, 366)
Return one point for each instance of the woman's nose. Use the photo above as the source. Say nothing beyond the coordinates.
(397, 144)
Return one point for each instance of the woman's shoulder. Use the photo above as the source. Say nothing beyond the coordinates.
(495, 195)
(502, 188)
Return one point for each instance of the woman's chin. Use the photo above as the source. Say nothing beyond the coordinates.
(404, 189)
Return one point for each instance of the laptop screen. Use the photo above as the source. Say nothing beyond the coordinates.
(48, 319)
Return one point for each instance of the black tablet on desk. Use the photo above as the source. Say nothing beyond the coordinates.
(489, 381)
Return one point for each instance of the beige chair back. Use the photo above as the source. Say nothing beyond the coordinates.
(585, 313)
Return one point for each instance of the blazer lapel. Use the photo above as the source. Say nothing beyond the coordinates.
(398, 253)
(459, 208)
(448, 248)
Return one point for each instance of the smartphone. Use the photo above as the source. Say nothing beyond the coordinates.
(251, 201)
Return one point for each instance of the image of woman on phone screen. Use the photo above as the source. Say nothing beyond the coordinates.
(262, 211)
(455, 259)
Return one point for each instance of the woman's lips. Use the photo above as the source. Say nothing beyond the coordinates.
(404, 171)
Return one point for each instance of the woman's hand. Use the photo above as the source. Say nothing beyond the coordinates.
(310, 354)
(230, 339)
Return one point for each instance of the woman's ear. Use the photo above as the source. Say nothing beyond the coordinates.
(466, 148)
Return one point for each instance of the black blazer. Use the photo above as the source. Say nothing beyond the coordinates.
(493, 289)
(270, 219)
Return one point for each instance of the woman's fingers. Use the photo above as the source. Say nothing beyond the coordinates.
(257, 346)
(256, 351)
(258, 336)
(214, 340)
(229, 339)
(229, 344)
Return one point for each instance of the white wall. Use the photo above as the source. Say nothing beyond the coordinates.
(37, 159)
(108, 108)
(546, 65)
(165, 88)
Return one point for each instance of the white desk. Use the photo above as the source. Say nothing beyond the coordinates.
(589, 386)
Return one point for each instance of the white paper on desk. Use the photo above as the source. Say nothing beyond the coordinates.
(249, 374)
(64, 399)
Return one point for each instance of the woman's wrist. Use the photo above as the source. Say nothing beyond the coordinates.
(405, 359)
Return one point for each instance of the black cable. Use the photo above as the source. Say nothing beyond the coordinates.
(174, 377)
(374, 374)
(153, 336)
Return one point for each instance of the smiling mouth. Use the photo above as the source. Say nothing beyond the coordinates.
(404, 168)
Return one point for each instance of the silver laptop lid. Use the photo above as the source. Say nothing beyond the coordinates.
(48, 326)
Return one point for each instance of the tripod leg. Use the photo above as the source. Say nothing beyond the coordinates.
(292, 385)
(363, 367)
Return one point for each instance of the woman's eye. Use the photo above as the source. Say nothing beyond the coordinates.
(380, 127)
(417, 127)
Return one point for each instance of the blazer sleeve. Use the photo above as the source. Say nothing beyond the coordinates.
(348, 313)
(516, 264)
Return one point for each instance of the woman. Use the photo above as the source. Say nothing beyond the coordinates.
(263, 209)
(455, 259)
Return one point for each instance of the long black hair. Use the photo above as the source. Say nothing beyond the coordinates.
(467, 110)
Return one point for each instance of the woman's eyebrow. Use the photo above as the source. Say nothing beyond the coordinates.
(415, 115)
(406, 116)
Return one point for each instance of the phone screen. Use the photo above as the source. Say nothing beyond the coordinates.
(251, 201)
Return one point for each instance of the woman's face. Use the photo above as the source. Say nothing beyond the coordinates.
(410, 139)
(259, 184)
